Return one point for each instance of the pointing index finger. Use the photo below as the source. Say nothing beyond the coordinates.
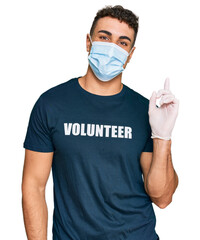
(167, 84)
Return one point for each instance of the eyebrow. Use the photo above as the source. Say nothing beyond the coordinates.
(110, 34)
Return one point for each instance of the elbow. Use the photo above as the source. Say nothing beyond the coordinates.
(164, 204)
(31, 190)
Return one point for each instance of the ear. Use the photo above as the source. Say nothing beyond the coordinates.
(88, 43)
(130, 56)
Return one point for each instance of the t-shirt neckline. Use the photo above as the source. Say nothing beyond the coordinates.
(116, 96)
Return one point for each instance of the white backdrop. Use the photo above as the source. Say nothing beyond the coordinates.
(42, 44)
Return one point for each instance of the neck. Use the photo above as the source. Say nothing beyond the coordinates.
(92, 84)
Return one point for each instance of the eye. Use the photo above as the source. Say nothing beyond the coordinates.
(124, 43)
(103, 37)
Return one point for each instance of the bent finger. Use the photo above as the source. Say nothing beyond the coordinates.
(167, 99)
(163, 92)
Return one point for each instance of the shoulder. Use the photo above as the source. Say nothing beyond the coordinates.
(138, 97)
(52, 97)
(58, 94)
(58, 91)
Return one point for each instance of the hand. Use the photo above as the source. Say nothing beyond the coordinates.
(162, 119)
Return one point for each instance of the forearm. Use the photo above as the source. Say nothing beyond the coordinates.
(35, 214)
(162, 179)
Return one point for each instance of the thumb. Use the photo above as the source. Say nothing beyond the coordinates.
(152, 101)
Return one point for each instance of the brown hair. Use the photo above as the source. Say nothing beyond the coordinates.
(122, 14)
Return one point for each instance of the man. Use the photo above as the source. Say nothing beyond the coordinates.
(109, 147)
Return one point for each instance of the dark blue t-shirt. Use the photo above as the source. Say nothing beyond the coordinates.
(97, 141)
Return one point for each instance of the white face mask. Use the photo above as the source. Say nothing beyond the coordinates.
(107, 59)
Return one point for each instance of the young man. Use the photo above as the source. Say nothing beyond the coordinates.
(109, 147)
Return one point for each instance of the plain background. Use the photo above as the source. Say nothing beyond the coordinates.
(42, 44)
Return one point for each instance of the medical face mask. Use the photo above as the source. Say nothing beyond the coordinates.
(107, 59)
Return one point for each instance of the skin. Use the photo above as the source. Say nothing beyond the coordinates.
(160, 178)
(37, 167)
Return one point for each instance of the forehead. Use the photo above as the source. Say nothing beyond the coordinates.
(114, 26)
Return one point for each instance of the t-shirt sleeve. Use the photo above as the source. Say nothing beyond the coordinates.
(149, 145)
(38, 135)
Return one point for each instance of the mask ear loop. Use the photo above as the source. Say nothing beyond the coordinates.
(90, 38)
(130, 51)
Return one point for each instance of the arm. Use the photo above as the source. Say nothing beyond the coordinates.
(37, 166)
(160, 178)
